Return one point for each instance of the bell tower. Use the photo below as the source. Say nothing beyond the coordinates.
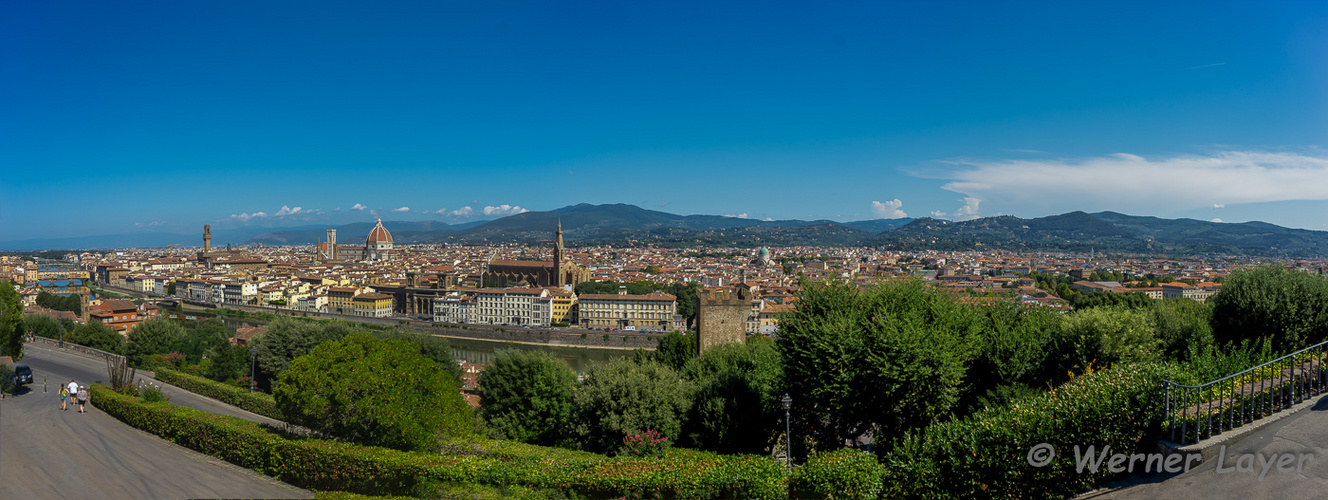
(207, 238)
(561, 278)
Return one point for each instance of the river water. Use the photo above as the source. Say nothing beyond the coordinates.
(482, 351)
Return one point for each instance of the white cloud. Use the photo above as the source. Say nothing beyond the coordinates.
(503, 210)
(149, 224)
(358, 207)
(738, 216)
(1215, 219)
(1217, 206)
(1141, 185)
(967, 212)
(248, 217)
(441, 211)
(888, 210)
(402, 209)
(462, 212)
(768, 219)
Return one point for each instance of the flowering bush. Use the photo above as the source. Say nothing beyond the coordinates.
(174, 359)
(645, 444)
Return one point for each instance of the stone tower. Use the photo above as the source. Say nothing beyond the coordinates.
(207, 238)
(331, 244)
(561, 279)
(721, 317)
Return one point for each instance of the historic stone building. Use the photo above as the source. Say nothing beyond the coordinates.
(722, 316)
(558, 273)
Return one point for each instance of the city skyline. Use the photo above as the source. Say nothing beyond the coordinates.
(159, 116)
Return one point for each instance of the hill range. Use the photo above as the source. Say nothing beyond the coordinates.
(628, 225)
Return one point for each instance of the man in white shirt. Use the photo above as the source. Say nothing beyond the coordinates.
(73, 389)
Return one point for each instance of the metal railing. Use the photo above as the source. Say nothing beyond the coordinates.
(1202, 411)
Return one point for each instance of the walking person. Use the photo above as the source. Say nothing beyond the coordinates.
(64, 395)
(72, 389)
(82, 399)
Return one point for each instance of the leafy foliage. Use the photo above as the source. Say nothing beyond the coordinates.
(337, 466)
(71, 303)
(11, 322)
(1284, 305)
(881, 361)
(374, 392)
(648, 443)
(227, 362)
(1018, 346)
(154, 336)
(526, 396)
(846, 474)
(620, 397)
(257, 402)
(675, 349)
(286, 339)
(985, 455)
(736, 407)
(97, 336)
(1104, 336)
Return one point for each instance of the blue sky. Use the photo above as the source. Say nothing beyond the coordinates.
(166, 115)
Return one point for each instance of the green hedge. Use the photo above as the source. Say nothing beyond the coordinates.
(837, 475)
(257, 402)
(986, 455)
(326, 465)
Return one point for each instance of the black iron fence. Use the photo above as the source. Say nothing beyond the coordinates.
(1198, 412)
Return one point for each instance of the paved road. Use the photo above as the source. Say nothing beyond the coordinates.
(1302, 434)
(46, 453)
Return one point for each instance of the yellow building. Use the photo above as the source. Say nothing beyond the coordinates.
(562, 306)
(339, 300)
(373, 305)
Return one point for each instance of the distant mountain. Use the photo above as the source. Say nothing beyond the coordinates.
(1107, 231)
(621, 224)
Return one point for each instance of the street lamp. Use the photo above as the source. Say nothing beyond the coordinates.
(788, 437)
(253, 358)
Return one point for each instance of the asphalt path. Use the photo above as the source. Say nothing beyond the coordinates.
(1295, 450)
(46, 453)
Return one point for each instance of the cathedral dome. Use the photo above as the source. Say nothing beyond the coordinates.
(379, 234)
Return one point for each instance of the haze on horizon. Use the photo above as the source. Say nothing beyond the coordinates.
(163, 116)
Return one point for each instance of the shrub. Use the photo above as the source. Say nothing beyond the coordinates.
(1102, 336)
(154, 336)
(836, 475)
(736, 408)
(328, 466)
(620, 396)
(374, 392)
(152, 393)
(526, 396)
(881, 360)
(257, 402)
(986, 455)
(649, 443)
(1284, 305)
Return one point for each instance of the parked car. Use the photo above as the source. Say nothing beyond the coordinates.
(22, 375)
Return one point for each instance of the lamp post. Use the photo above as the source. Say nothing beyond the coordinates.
(788, 437)
(253, 358)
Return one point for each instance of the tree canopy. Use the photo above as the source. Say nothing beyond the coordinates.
(373, 392)
(622, 397)
(527, 396)
(1287, 306)
(12, 329)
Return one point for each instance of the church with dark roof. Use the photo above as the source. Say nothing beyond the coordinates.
(561, 272)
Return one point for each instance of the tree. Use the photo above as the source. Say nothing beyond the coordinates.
(71, 303)
(97, 336)
(675, 349)
(170, 289)
(736, 408)
(526, 396)
(227, 362)
(11, 322)
(202, 337)
(285, 339)
(432, 347)
(154, 336)
(1103, 336)
(373, 392)
(881, 361)
(1108, 299)
(43, 326)
(1015, 344)
(621, 397)
(1281, 304)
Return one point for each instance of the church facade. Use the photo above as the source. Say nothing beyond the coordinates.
(558, 273)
